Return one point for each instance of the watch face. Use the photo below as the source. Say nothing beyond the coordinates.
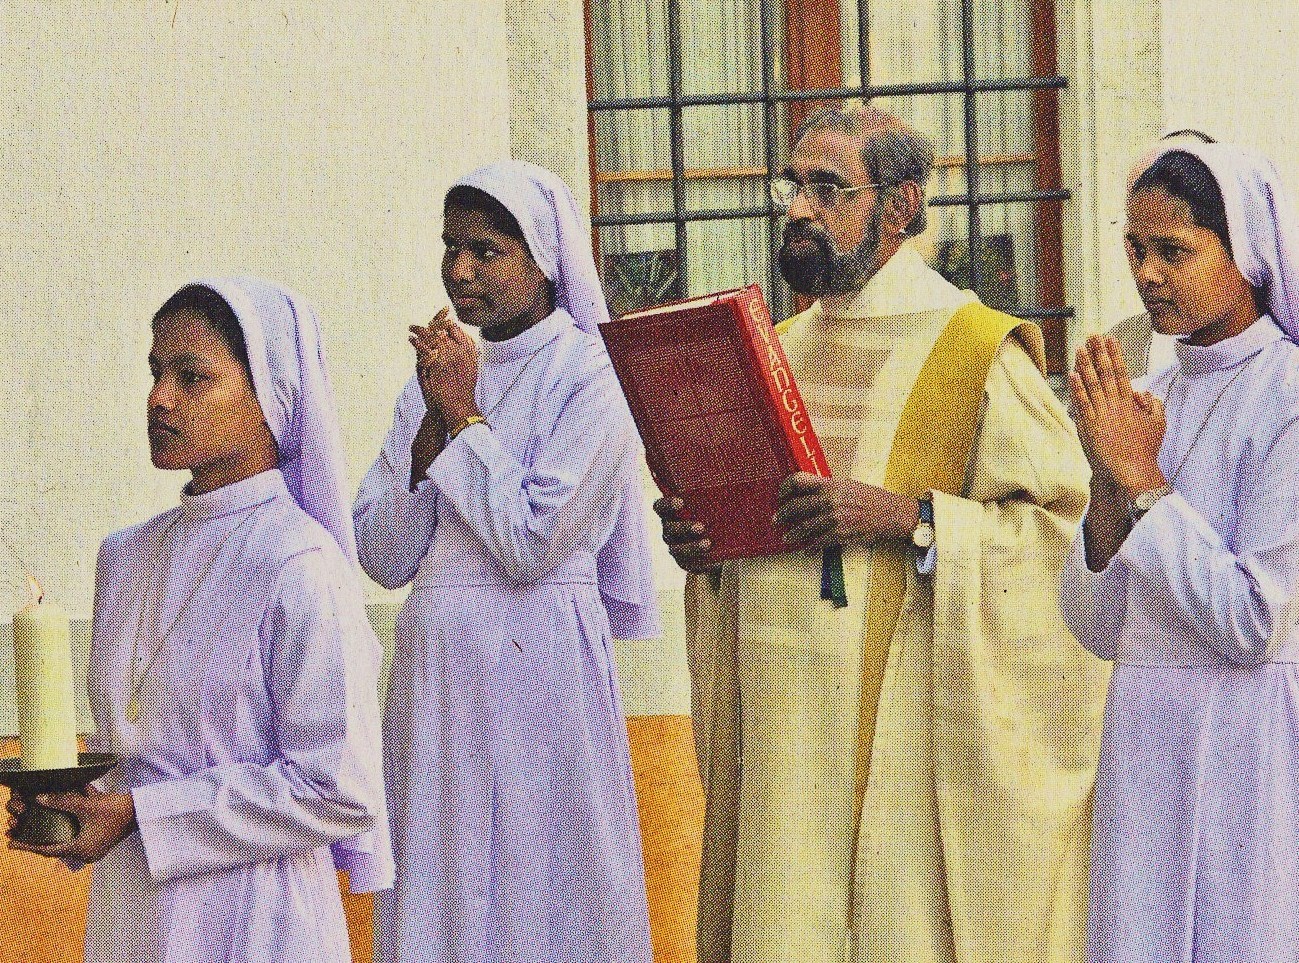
(1145, 501)
(923, 537)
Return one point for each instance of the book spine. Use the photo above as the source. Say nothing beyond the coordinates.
(787, 402)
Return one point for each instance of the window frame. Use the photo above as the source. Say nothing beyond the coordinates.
(812, 81)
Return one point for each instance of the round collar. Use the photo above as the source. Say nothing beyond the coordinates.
(255, 490)
(528, 342)
(1202, 359)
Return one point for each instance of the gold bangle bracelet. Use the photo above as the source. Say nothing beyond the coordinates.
(465, 423)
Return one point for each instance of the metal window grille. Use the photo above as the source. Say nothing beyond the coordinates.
(771, 96)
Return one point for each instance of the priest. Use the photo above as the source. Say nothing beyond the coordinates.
(896, 733)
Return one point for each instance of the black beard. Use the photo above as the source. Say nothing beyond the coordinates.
(822, 270)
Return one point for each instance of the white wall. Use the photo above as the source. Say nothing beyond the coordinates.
(1231, 70)
(1110, 112)
(310, 142)
(548, 116)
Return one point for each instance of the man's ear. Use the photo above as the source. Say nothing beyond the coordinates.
(901, 205)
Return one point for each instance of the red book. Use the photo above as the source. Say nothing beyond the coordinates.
(722, 421)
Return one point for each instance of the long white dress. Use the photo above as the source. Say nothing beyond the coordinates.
(505, 746)
(257, 741)
(1196, 838)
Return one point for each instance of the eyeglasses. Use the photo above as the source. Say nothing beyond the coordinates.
(821, 194)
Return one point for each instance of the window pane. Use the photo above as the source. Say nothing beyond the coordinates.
(632, 140)
(642, 195)
(721, 46)
(1007, 274)
(911, 41)
(723, 137)
(1003, 38)
(1005, 123)
(726, 193)
(727, 254)
(638, 266)
(629, 48)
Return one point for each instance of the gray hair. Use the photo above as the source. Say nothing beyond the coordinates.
(892, 152)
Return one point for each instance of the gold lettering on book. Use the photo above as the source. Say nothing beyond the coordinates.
(811, 454)
(783, 382)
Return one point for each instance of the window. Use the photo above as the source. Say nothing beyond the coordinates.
(692, 102)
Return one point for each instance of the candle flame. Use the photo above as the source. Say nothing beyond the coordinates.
(34, 587)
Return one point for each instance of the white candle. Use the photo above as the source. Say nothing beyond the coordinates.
(47, 714)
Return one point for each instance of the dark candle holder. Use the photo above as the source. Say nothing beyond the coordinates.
(39, 825)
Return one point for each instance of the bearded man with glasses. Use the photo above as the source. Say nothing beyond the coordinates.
(897, 735)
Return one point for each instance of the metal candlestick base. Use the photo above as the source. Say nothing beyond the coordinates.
(39, 825)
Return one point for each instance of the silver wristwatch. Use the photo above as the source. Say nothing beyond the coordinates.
(1142, 502)
(923, 537)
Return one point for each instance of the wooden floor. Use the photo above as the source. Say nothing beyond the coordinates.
(43, 906)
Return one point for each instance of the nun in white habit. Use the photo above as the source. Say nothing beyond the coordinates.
(1186, 575)
(233, 669)
(507, 492)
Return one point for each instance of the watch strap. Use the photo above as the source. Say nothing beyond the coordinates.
(1142, 502)
(465, 423)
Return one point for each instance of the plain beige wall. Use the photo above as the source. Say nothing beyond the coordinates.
(1230, 70)
(310, 142)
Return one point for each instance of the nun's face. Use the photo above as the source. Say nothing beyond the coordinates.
(1185, 276)
(490, 277)
(203, 412)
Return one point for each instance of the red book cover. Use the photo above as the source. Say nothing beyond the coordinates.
(722, 421)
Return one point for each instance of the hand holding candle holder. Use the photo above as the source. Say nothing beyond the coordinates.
(47, 724)
(40, 825)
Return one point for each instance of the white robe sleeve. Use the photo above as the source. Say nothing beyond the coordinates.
(323, 787)
(1094, 604)
(1237, 603)
(394, 525)
(532, 518)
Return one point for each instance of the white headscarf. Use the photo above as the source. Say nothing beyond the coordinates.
(559, 241)
(287, 360)
(558, 237)
(1260, 223)
(1172, 140)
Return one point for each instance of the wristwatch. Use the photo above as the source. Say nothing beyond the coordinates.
(1142, 502)
(465, 423)
(923, 537)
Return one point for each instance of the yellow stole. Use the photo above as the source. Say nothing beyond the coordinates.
(931, 452)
